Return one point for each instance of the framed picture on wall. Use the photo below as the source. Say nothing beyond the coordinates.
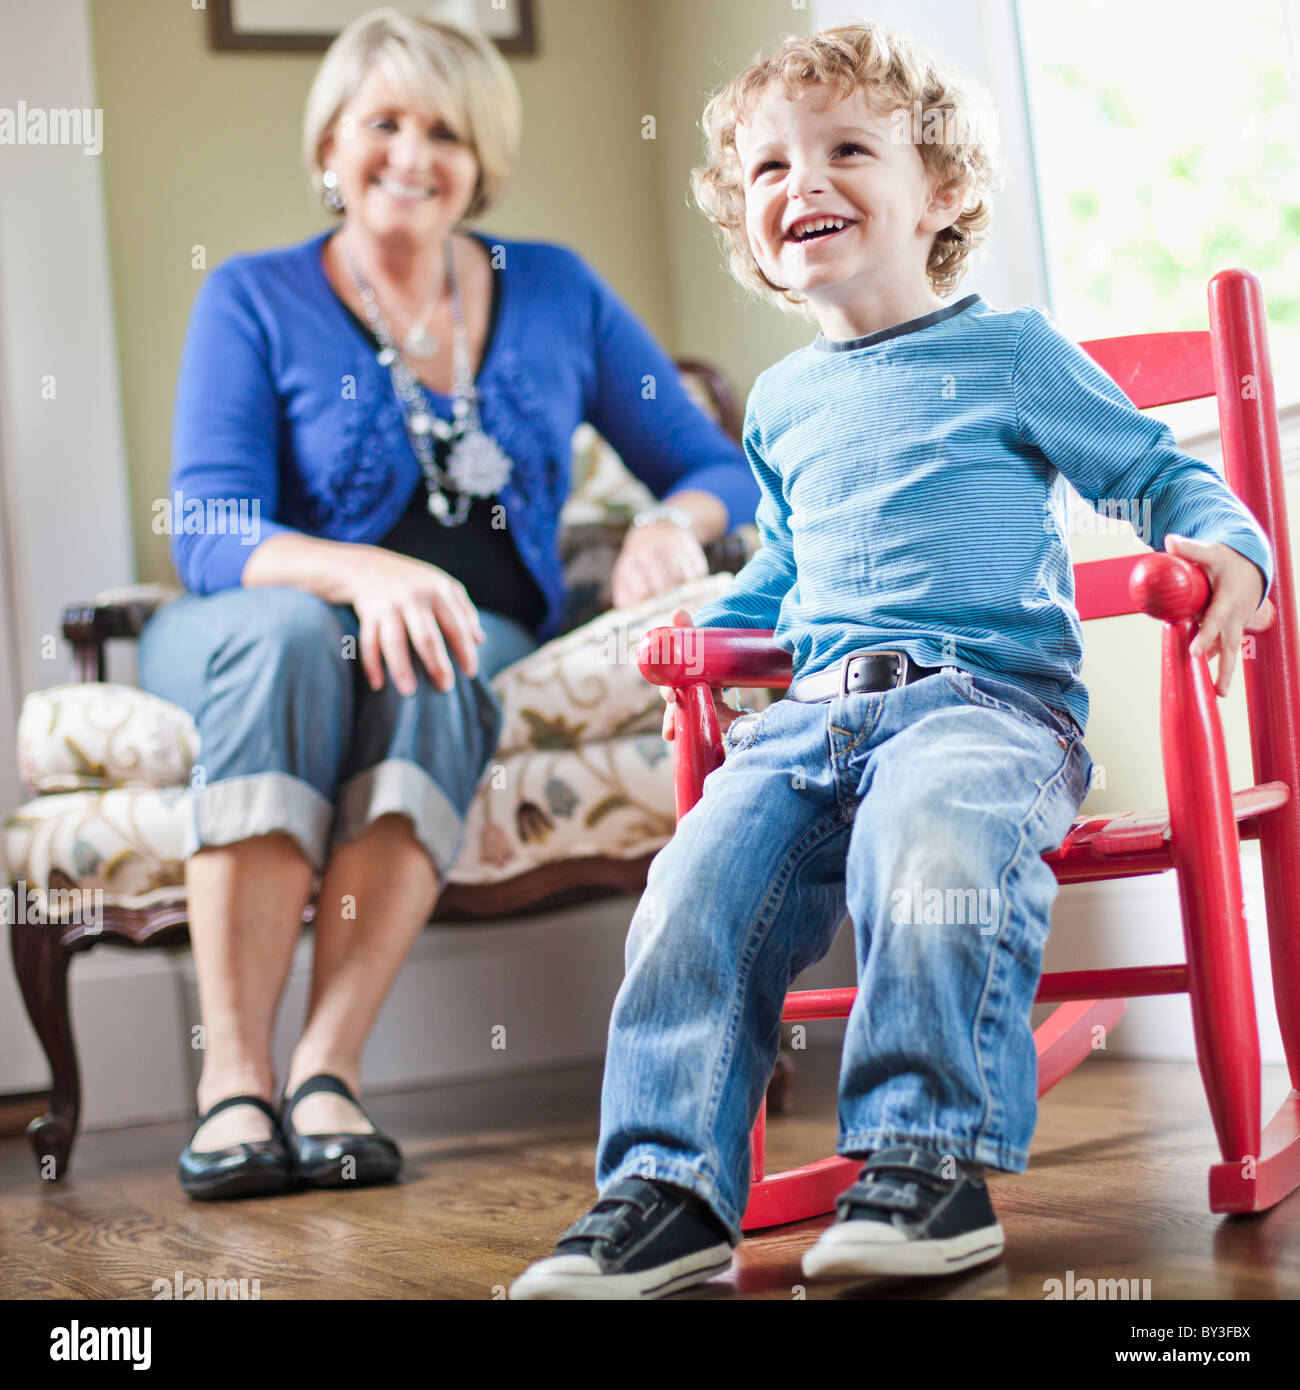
(306, 25)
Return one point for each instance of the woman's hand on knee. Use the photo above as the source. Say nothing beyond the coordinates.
(402, 603)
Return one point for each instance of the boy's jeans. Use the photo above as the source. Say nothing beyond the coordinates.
(924, 811)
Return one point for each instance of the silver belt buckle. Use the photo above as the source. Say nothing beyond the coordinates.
(904, 668)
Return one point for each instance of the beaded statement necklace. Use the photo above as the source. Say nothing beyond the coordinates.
(476, 466)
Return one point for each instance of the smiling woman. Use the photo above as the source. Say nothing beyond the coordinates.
(398, 399)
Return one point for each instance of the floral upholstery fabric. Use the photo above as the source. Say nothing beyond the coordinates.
(581, 768)
(125, 841)
(96, 735)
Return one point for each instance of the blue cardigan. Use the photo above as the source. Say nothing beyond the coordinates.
(281, 402)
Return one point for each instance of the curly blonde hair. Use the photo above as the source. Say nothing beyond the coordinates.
(897, 74)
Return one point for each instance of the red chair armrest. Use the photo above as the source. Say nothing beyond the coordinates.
(1169, 588)
(713, 656)
(1198, 791)
(693, 661)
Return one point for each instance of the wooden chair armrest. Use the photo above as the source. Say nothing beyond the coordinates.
(719, 392)
(87, 626)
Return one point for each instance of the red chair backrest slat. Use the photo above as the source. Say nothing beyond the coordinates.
(1157, 368)
(1152, 369)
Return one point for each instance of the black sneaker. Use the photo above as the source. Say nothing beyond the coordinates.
(642, 1239)
(903, 1216)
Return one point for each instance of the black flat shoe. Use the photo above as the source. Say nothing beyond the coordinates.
(253, 1169)
(337, 1160)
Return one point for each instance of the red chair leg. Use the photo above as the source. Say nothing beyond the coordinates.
(1244, 1187)
(1256, 1185)
(1207, 856)
(758, 1145)
(1252, 457)
(799, 1194)
(1069, 1036)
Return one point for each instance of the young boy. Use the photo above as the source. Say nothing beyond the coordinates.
(915, 563)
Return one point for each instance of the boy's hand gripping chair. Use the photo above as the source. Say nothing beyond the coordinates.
(1198, 836)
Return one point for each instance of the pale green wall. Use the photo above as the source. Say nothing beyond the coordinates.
(696, 46)
(202, 148)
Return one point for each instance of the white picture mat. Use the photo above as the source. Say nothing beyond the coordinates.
(330, 16)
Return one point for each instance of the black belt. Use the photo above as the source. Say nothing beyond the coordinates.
(858, 672)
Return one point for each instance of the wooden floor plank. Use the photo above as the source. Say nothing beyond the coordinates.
(1116, 1189)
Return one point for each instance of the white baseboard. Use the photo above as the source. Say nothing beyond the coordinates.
(548, 983)
(545, 983)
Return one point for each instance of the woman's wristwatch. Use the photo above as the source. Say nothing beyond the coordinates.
(663, 512)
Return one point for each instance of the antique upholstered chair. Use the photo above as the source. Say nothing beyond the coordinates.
(587, 802)
(1198, 836)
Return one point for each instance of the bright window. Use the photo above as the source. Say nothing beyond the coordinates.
(1166, 145)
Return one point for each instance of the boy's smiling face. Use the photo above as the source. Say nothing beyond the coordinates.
(821, 159)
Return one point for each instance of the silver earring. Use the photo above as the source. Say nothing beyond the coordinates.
(332, 197)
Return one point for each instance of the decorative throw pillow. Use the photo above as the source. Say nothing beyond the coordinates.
(586, 684)
(93, 735)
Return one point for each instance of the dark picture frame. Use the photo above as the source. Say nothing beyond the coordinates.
(225, 37)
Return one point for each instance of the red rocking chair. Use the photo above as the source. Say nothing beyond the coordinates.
(1198, 836)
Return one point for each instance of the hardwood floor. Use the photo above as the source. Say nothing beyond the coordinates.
(1116, 1189)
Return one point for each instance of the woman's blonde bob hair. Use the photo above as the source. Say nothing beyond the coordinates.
(431, 65)
(946, 113)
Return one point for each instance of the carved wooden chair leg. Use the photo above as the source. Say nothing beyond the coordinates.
(41, 964)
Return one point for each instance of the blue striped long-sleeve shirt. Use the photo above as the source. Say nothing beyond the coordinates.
(913, 496)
